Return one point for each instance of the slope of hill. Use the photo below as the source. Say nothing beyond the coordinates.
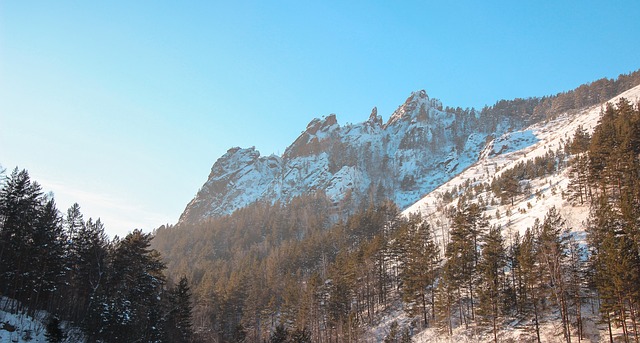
(517, 147)
(502, 154)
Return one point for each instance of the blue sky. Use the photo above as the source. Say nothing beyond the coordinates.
(123, 106)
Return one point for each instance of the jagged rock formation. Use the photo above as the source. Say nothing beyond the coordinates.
(420, 147)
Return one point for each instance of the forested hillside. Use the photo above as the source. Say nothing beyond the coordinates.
(274, 270)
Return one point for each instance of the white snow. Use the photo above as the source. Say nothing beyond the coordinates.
(17, 326)
(504, 153)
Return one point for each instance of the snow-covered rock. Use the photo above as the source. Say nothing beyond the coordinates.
(418, 148)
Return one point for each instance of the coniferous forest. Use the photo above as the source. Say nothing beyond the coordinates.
(115, 290)
(296, 272)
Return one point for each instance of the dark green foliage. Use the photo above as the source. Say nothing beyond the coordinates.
(179, 318)
(531, 292)
(300, 336)
(580, 142)
(129, 308)
(613, 174)
(113, 290)
(54, 333)
(31, 242)
(508, 186)
(552, 254)
(279, 335)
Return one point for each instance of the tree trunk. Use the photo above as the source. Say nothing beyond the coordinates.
(609, 325)
(632, 312)
(535, 313)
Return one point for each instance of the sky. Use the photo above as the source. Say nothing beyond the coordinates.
(123, 106)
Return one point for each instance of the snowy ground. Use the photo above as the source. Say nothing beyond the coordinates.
(19, 327)
(503, 154)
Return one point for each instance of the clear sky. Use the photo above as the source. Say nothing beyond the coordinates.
(123, 106)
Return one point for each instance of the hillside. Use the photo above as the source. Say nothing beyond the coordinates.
(551, 191)
(292, 265)
(513, 148)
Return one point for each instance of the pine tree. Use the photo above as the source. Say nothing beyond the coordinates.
(86, 260)
(48, 255)
(445, 300)
(20, 208)
(420, 270)
(128, 308)
(179, 323)
(394, 335)
(54, 333)
(491, 269)
(616, 263)
(462, 256)
(279, 335)
(300, 336)
(552, 257)
(580, 142)
(531, 274)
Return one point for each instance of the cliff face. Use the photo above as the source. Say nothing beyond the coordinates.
(420, 147)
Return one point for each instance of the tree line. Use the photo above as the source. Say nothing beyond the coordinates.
(115, 290)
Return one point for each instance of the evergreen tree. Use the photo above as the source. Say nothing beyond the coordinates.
(580, 142)
(614, 258)
(531, 275)
(54, 333)
(462, 255)
(491, 269)
(394, 335)
(579, 187)
(445, 300)
(129, 306)
(552, 257)
(48, 255)
(420, 270)
(179, 323)
(300, 336)
(20, 208)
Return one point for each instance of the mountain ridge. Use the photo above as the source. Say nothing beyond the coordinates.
(419, 145)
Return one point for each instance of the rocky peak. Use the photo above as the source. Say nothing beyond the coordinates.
(415, 103)
(374, 118)
(310, 141)
(321, 125)
(234, 159)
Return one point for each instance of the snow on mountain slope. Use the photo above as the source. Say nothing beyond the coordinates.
(512, 148)
(502, 154)
(420, 147)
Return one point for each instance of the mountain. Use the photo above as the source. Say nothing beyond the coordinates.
(280, 261)
(501, 155)
(421, 146)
